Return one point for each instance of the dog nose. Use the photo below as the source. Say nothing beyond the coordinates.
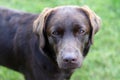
(69, 55)
(70, 59)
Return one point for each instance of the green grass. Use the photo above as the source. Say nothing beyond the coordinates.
(103, 60)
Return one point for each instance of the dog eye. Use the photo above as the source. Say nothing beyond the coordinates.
(55, 33)
(81, 31)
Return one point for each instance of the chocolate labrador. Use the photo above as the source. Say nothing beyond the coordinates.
(49, 46)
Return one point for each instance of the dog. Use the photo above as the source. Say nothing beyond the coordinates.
(49, 46)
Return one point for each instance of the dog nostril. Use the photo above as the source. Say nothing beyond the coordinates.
(70, 60)
(66, 60)
(74, 59)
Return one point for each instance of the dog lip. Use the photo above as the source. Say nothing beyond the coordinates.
(70, 66)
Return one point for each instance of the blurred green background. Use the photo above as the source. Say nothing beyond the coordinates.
(103, 60)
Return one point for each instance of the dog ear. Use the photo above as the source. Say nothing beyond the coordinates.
(95, 20)
(39, 25)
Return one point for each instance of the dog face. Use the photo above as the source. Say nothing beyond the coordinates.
(69, 31)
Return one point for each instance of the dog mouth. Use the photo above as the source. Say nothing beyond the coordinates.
(70, 66)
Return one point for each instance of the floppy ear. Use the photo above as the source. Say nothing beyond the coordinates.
(39, 25)
(95, 20)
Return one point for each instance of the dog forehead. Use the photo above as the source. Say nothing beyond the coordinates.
(65, 10)
(69, 14)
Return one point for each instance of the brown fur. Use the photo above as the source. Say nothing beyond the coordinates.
(49, 46)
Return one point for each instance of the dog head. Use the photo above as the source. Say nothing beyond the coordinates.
(69, 30)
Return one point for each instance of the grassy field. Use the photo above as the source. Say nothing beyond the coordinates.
(103, 60)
